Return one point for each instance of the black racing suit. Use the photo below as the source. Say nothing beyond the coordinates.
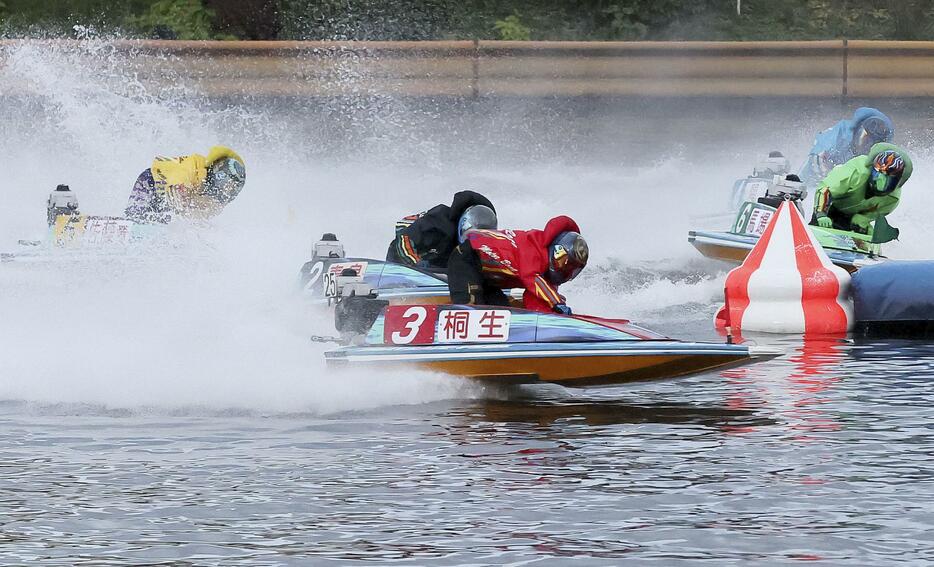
(431, 238)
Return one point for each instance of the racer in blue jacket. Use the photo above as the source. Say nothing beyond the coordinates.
(844, 141)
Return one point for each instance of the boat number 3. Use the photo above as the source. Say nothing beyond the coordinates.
(413, 318)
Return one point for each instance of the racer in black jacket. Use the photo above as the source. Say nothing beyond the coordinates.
(426, 240)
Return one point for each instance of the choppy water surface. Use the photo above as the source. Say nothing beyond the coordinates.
(167, 406)
(823, 455)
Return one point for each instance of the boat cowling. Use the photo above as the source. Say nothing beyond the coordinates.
(477, 324)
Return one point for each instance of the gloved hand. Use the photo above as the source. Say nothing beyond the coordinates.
(824, 222)
(423, 264)
(562, 309)
(860, 223)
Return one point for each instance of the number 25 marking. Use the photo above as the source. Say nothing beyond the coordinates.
(418, 313)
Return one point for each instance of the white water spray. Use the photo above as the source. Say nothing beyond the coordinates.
(214, 323)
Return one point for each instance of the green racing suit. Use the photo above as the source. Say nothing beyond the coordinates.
(849, 199)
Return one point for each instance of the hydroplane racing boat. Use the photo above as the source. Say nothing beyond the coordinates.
(72, 234)
(758, 198)
(511, 345)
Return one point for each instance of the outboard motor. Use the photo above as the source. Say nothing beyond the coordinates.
(328, 247)
(774, 164)
(757, 185)
(62, 201)
(784, 188)
(357, 306)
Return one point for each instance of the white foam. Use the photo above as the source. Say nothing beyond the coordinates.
(213, 322)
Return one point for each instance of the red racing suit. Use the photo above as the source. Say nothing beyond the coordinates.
(519, 259)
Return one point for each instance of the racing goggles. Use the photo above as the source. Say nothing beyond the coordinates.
(864, 141)
(883, 183)
(871, 132)
(567, 258)
(226, 181)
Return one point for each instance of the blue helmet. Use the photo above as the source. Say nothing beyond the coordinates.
(476, 217)
(870, 132)
(567, 256)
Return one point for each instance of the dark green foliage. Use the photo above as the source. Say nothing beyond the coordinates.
(57, 18)
(246, 19)
(482, 19)
(367, 19)
(174, 19)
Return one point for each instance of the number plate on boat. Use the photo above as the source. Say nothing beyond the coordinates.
(410, 324)
(473, 325)
(758, 220)
(102, 230)
(359, 267)
(426, 324)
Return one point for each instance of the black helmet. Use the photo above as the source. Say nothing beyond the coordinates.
(567, 256)
(477, 216)
(226, 178)
(870, 131)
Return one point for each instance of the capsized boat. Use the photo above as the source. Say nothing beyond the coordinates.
(511, 345)
(849, 250)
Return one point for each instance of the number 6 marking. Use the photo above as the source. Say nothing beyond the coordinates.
(419, 313)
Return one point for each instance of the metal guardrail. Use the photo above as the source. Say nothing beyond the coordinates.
(838, 68)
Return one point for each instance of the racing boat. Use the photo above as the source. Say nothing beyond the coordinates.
(79, 235)
(512, 345)
(849, 250)
(394, 315)
(329, 271)
(72, 233)
(758, 197)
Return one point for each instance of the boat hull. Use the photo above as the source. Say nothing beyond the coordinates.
(578, 365)
(734, 248)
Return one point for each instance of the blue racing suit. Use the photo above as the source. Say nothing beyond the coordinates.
(836, 145)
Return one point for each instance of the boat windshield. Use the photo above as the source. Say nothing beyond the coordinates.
(395, 276)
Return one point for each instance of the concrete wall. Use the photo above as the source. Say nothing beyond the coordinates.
(824, 69)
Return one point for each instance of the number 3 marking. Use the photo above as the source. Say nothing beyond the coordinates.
(420, 313)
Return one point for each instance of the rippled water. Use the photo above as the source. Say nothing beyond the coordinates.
(167, 407)
(822, 455)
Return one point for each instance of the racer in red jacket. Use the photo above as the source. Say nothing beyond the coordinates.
(535, 260)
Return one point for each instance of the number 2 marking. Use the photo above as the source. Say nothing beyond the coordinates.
(419, 313)
(313, 275)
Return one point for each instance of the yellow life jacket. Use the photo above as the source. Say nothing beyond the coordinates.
(180, 180)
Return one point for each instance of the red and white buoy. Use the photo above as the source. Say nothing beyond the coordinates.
(787, 284)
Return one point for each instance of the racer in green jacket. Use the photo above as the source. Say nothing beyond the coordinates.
(865, 188)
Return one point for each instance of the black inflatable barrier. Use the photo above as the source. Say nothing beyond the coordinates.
(894, 329)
